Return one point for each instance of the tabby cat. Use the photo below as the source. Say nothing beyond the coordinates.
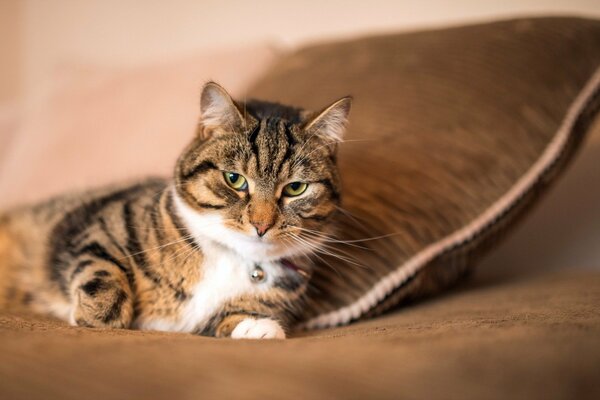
(219, 250)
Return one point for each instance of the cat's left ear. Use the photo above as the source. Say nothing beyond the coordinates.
(330, 124)
(218, 112)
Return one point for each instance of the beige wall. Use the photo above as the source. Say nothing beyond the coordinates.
(125, 32)
(11, 56)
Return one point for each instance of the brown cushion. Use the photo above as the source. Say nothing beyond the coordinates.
(532, 338)
(454, 134)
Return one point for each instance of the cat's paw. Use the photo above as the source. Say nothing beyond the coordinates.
(264, 328)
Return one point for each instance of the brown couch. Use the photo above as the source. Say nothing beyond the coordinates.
(522, 337)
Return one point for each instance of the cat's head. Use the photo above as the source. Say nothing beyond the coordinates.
(261, 178)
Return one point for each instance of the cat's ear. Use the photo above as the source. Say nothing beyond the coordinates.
(218, 112)
(330, 124)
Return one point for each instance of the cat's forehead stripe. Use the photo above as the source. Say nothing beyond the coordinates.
(271, 143)
(254, 132)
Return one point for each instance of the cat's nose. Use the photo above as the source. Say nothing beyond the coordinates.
(262, 227)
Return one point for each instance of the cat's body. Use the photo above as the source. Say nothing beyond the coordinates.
(201, 253)
(134, 235)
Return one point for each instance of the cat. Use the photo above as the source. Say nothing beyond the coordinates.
(218, 250)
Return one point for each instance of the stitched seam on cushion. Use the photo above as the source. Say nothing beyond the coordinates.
(395, 279)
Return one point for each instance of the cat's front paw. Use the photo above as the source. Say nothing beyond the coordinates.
(264, 328)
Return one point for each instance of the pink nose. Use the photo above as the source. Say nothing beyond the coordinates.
(261, 227)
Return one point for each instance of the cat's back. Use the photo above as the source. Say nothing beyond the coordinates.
(44, 216)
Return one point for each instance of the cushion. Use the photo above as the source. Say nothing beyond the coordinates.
(536, 337)
(454, 134)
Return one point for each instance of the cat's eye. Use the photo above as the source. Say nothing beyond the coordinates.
(235, 181)
(295, 189)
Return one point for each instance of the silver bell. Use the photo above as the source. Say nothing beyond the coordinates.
(257, 274)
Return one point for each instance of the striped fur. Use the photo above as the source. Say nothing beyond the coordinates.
(177, 255)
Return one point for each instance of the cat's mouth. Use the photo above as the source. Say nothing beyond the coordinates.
(291, 266)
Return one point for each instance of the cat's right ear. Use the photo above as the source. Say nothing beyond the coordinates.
(218, 112)
(330, 123)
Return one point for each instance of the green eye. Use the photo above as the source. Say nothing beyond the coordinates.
(236, 181)
(295, 189)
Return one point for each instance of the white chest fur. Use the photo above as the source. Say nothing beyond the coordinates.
(225, 272)
(226, 276)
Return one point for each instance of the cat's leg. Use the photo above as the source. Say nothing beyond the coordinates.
(246, 326)
(101, 295)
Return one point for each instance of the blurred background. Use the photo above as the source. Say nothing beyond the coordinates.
(115, 55)
(38, 35)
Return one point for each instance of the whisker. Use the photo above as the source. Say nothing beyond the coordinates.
(314, 253)
(330, 239)
(318, 247)
(182, 239)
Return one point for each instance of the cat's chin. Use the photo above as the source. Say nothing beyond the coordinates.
(210, 226)
(255, 250)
